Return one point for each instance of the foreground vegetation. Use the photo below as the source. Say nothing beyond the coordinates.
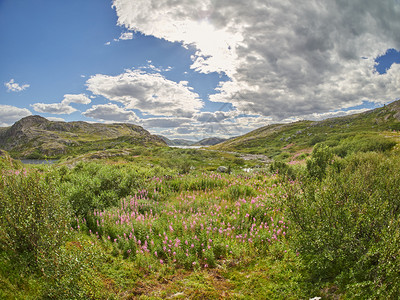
(159, 223)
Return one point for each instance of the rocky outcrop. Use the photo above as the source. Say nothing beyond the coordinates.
(35, 136)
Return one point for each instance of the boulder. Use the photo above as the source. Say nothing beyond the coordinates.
(222, 169)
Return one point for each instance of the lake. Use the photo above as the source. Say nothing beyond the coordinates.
(39, 161)
(188, 147)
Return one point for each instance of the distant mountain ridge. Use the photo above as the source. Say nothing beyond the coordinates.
(35, 136)
(176, 142)
(182, 142)
(209, 141)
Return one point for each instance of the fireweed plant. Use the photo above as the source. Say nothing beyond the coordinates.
(209, 217)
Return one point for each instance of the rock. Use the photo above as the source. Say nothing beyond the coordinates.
(179, 294)
(222, 169)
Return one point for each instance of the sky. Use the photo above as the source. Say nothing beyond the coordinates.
(195, 69)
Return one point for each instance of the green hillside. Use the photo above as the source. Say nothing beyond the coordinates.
(37, 137)
(287, 141)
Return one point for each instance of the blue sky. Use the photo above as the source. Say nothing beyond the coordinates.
(196, 69)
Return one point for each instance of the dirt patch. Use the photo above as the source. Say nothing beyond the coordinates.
(183, 285)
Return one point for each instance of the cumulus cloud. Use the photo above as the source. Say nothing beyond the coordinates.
(12, 86)
(64, 106)
(211, 117)
(110, 112)
(54, 108)
(56, 119)
(126, 36)
(10, 114)
(165, 122)
(76, 98)
(186, 21)
(147, 92)
(283, 60)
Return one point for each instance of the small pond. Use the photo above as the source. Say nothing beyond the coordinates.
(39, 161)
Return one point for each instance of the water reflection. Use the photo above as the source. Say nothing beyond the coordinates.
(39, 161)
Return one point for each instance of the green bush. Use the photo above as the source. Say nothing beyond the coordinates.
(347, 225)
(283, 169)
(363, 143)
(33, 216)
(320, 158)
(92, 186)
(317, 139)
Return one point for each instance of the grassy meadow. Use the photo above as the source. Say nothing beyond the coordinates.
(157, 223)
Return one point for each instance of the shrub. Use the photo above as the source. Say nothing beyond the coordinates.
(321, 157)
(316, 139)
(363, 143)
(33, 217)
(239, 161)
(92, 186)
(346, 225)
(282, 169)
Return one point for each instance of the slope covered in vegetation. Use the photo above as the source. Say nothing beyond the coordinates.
(287, 141)
(37, 137)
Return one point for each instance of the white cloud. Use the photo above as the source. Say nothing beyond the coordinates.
(152, 67)
(212, 117)
(107, 43)
(76, 98)
(12, 86)
(54, 108)
(110, 112)
(334, 114)
(56, 119)
(186, 21)
(149, 93)
(10, 114)
(283, 60)
(165, 122)
(64, 106)
(126, 36)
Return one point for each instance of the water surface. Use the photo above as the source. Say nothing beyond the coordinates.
(39, 161)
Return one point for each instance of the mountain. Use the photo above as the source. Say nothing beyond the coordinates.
(209, 141)
(287, 140)
(37, 137)
(176, 142)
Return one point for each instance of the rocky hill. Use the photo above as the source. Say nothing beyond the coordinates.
(176, 142)
(210, 141)
(37, 137)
